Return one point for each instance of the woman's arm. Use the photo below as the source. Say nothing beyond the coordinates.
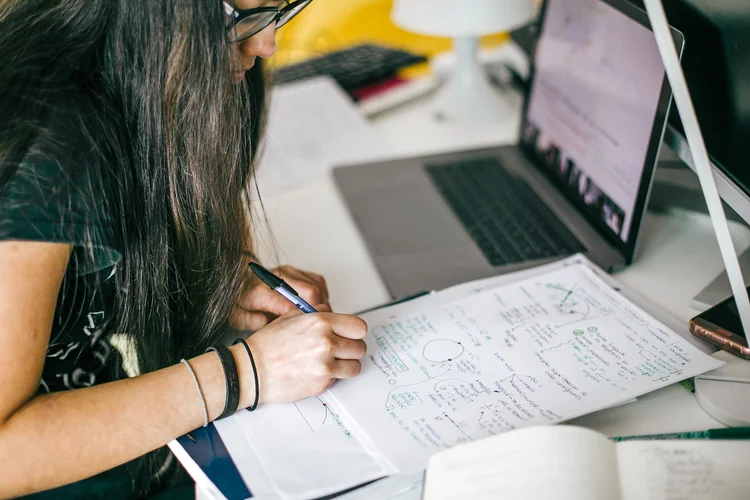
(54, 439)
(51, 440)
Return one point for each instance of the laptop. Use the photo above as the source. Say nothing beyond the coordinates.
(578, 180)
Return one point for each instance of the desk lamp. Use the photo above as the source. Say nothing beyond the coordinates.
(467, 95)
(723, 393)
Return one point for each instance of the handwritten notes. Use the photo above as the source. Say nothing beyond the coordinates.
(537, 347)
(684, 470)
(540, 351)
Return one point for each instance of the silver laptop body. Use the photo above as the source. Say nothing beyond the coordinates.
(415, 237)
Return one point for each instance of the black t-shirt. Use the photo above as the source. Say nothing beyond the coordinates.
(56, 195)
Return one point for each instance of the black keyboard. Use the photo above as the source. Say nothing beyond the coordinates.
(352, 68)
(506, 219)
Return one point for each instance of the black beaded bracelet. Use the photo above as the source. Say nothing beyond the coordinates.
(255, 372)
(232, 379)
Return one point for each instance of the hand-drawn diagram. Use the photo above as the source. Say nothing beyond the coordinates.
(568, 303)
(314, 412)
(404, 395)
(442, 350)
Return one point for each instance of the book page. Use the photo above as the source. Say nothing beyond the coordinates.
(539, 351)
(684, 470)
(543, 463)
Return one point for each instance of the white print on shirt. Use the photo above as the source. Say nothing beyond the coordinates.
(94, 329)
(61, 351)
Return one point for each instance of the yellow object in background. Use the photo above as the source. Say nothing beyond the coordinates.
(330, 25)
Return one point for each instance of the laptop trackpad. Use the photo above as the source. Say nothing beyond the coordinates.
(407, 219)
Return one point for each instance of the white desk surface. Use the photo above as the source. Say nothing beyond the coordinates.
(678, 255)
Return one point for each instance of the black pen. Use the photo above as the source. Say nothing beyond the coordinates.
(282, 287)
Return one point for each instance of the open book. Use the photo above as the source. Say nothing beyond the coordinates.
(565, 462)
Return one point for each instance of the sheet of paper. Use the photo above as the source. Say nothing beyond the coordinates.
(312, 126)
(245, 459)
(541, 351)
(304, 449)
(641, 302)
(685, 470)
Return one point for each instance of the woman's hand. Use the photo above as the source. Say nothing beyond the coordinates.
(259, 305)
(300, 355)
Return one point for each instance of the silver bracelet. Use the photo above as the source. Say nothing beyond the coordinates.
(200, 392)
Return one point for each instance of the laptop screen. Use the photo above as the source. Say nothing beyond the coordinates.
(593, 113)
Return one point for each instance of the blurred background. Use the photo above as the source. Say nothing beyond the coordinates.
(330, 25)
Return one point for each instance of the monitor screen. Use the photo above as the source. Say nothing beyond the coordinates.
(593, 107)
(716, 62)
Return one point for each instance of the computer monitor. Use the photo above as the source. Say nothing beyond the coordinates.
(716, 62)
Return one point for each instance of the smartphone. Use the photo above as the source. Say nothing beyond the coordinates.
(722, 327)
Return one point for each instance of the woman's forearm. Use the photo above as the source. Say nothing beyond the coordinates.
(60, 438)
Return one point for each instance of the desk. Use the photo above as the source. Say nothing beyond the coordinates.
(677, 257)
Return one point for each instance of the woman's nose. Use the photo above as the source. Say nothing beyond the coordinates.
(261, 44)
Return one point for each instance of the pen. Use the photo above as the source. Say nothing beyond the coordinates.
(282, 287)
(729, 433)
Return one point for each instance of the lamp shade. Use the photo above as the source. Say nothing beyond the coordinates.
(454, 18)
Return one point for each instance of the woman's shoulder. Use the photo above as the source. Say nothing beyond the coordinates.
(58, 192)
(63, 145)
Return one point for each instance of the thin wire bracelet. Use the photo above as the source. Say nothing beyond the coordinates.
(200, 392)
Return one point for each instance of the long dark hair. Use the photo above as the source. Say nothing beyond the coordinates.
(171, 137)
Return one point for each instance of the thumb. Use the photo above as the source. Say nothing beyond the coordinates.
(244, 320)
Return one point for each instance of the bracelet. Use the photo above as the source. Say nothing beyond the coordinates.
(232, 400)
(255, 372)
(200, 392)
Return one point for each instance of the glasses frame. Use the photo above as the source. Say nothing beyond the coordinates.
(238, 15)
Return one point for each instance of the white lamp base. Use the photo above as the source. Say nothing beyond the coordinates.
(468, 96)
(724, 393)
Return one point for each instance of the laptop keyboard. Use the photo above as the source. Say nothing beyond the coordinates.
(506, 219)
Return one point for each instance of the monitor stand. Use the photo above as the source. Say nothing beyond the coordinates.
(719, 288)
(676, 187)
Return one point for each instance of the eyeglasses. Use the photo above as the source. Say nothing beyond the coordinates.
(245, 23)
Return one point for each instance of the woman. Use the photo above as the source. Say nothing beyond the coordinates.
(127, 137)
